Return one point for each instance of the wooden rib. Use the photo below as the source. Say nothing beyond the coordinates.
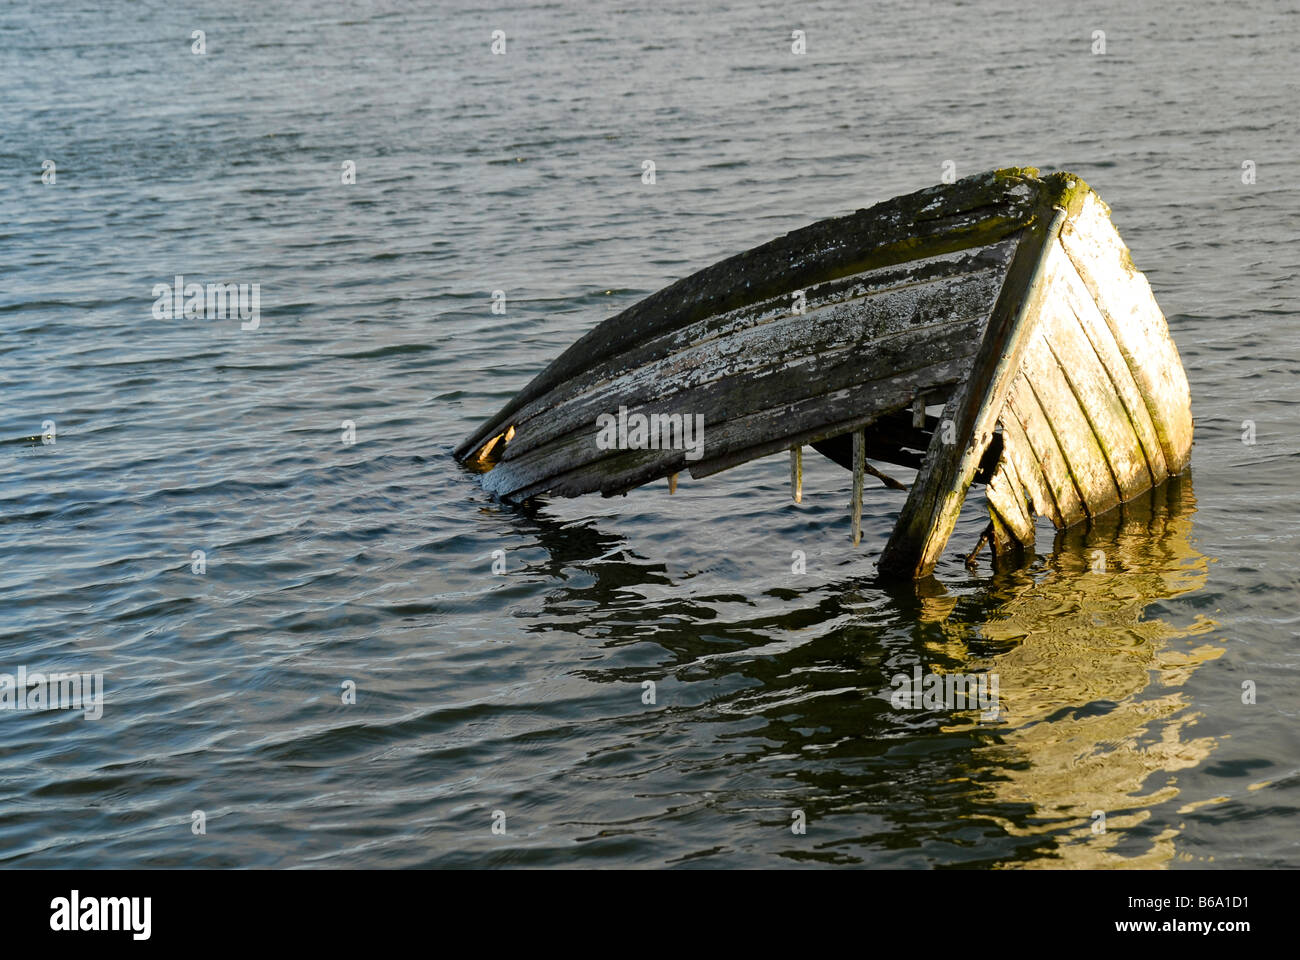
(796, 473)
(672, 483)
(1003, 498)
(1000, 537)
(990, 535)
(1027, 532)
(1024, 407)
(885, 478)
(1095, 394)
(918, 412)
(1083, 457)
(1099, 334)
(1016, 449)
(1124, 298)
(1014, 501)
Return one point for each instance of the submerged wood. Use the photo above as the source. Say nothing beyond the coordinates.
(1007, 297)
(859, 471)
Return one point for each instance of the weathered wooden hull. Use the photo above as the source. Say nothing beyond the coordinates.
(1009, 297)
(1099, 411)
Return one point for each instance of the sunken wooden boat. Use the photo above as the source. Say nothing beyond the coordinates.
(1007, 298)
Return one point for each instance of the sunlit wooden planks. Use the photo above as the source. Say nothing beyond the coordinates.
(1025, 414)
(1094, 326)
(1093, 390)
(1013, 521)
(1078, 425)
(1124, 298)
(1017, 450)
(1069, 424)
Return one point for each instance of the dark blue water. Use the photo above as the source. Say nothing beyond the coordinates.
(371, 562)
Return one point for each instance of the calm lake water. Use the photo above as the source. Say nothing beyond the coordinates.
(371, 562)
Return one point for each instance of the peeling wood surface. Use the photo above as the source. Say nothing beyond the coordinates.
(763, 382)
(972, 213)
(1079, 448)
(1103, 343)
(1028, 469)
(1027, 414)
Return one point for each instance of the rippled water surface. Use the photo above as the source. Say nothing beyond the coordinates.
(1121, 690)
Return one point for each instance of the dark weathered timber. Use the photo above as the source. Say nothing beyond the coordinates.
(973, 212)
(839, 314)
(893, 439)
(1007, 297)
(740, 434)
(911, 324)
(859, 475)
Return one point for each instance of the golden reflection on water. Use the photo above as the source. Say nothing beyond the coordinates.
(1092, 714)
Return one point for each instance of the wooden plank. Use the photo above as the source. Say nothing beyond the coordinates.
(918, 412)
(1001, 540)
(1083, 457)
(885, 478)
(1124, 298)
(819, 418)
(1006, 499)
(1098, 332)
(1120, 451)
(754, 418)
(792, 356)
(904, 295)
(1093, 390)
(570, 471)
(1016, 449)
(935, 500)
(1024, 521)
(974, 212)
(1028, 416)
(859, 463)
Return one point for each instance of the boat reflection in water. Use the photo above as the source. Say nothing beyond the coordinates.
(1091, 712)
(779, 697)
